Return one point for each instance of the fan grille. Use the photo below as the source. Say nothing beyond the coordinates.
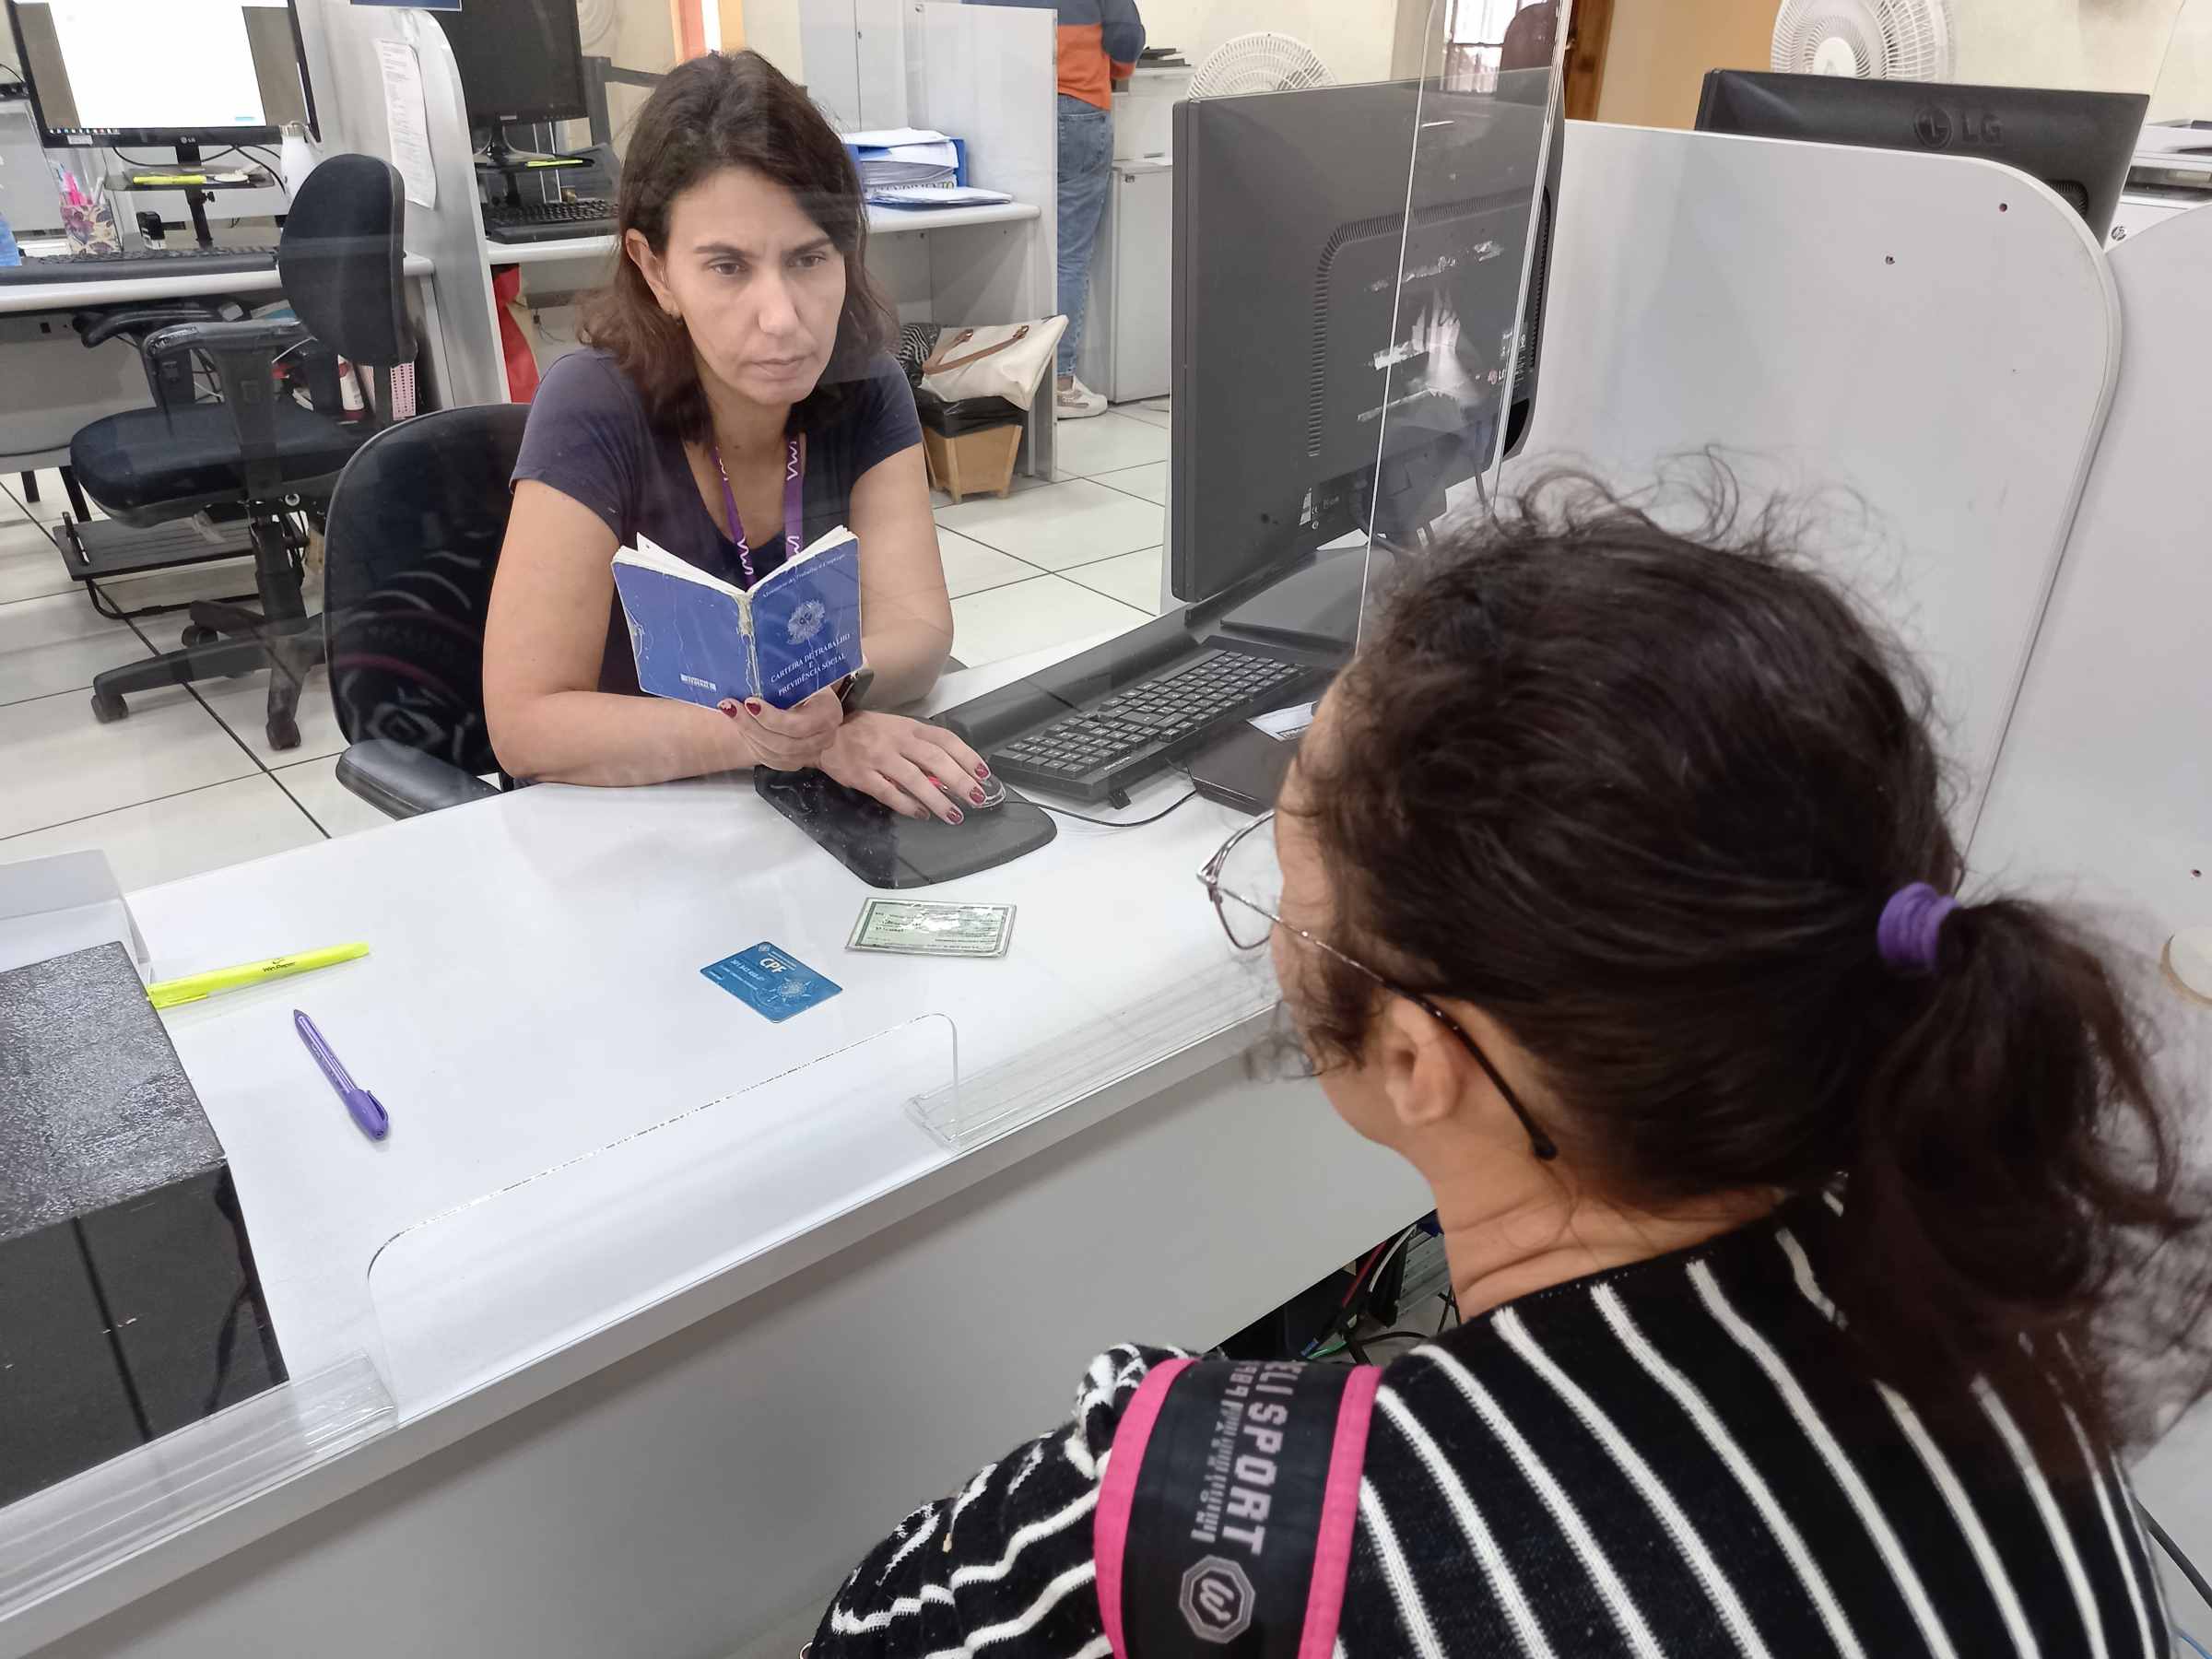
(1886, 40)
(1265, 62)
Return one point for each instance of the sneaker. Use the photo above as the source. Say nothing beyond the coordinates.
(1078, 401)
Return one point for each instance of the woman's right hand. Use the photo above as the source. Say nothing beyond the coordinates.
(788, 739)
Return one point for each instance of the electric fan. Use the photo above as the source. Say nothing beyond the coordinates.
(1875, 39)
(1265, 62)
(596, 21)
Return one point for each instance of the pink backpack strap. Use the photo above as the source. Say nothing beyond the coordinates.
(1228, 1509)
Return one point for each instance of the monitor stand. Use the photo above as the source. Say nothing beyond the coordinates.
(1317, 608)
(138, 176)
(516, 165)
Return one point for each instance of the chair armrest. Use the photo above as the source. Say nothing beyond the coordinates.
(96, 328)
(250, 337)
(401, 783)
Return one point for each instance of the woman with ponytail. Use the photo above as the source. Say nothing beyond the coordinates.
(1819, 1229)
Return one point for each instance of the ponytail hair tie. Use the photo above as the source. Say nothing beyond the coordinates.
(1911, 927)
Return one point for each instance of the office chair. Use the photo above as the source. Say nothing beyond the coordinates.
(339, 258)
(411, 540)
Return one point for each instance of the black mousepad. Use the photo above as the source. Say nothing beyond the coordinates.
(887, 851)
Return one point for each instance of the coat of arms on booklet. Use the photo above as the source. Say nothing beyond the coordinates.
(700, 639)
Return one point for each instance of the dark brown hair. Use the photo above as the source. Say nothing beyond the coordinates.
(1641, 796)
(729, 110)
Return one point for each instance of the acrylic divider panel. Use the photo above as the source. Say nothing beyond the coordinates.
(65, 1533)
(566, 1254)
(1118, 964)
(1235, 995)
(1461, 370)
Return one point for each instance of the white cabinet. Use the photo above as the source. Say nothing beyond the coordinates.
(1124, 354)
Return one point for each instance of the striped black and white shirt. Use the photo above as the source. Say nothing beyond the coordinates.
(1676, 1457)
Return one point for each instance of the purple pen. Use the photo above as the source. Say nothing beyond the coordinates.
(366, 1109)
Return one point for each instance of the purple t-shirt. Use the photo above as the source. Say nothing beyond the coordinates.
(588, 437)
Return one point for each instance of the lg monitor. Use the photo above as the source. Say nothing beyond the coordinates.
(114, 74)
(2077, 143)
(520, 60)
(1342, 344)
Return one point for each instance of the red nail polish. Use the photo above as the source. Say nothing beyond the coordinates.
(976, 795)
(751, 707)
(982, 771)
(955, 815)
(729, 709)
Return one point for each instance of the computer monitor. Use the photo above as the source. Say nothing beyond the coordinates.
(520, 60)
(1290, 231)
(183, 73)
(2077, 143)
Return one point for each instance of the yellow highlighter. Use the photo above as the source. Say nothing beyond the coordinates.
(168, 993)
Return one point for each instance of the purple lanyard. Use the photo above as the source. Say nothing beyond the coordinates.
(793, 510)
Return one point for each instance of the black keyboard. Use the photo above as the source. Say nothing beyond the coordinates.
(141, 261)
(1129, 733)
(549, 221)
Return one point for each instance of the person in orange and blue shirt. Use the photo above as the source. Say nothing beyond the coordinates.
(1100, 40)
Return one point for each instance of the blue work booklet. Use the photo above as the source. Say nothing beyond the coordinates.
(699, 640)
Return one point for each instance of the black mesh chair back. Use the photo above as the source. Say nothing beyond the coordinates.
(413, 538)
(341, 259)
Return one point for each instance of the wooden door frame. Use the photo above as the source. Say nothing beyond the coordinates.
(1589, 28)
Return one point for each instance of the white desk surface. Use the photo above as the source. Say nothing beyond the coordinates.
(882, 222)
(75, 296)
(533, 993)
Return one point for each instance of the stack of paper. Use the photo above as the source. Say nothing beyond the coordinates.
(904, 157)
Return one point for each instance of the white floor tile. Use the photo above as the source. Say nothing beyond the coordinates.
(1022, 481)
(1107, 444)
(1150, 482)
(970, 567)
(242, 704)
(58, 643)
(1075, 522)
(60, 764)
(1045, 611)
(1133, 578)
(31, 566)
(180, 835)
(1150, 415)
(314, 784)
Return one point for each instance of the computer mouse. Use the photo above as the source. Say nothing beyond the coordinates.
(991, 790)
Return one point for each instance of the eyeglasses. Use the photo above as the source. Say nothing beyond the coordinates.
(1248, 923)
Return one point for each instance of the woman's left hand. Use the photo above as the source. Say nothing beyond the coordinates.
(917, 771)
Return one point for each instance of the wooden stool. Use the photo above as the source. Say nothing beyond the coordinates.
(978, 462)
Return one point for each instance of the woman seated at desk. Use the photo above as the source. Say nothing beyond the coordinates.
(736, 403)
(1820, 1242)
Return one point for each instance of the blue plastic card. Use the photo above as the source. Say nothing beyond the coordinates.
(771, 981)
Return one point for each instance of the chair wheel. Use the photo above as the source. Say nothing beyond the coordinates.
(195, 635)
(108, 708)
(284, 733)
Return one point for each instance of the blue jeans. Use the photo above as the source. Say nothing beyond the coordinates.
(1086, 165)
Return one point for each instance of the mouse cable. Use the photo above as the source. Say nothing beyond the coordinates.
(1121, 823)
(2188, 1568)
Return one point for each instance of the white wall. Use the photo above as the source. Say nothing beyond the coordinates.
(2108, 45)
(1353, 36)
(771, 29)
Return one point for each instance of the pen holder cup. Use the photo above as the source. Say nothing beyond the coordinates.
(86, 218)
